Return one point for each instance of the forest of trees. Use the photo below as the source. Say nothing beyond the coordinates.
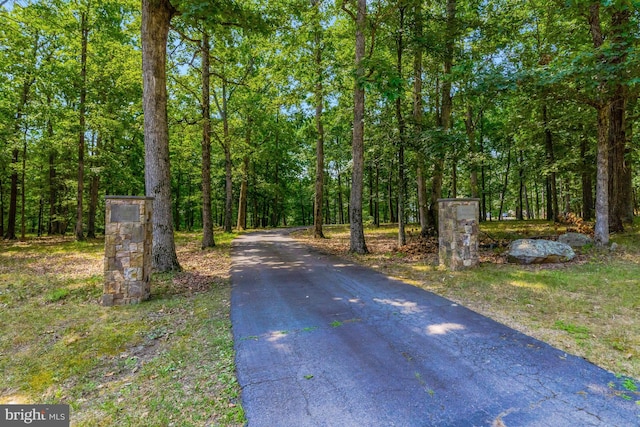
(529, 105)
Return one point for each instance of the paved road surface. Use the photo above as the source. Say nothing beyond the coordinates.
(323, 343)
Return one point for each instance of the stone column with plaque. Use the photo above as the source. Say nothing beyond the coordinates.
(458, 233)
(127, 260)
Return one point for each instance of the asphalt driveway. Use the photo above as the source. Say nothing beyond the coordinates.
(320, 342)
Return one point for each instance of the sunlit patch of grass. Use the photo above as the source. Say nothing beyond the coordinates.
(529, 285)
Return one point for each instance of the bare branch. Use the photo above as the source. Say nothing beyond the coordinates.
(215, 99)
(188, 89)
(183, 36)
(344, 7)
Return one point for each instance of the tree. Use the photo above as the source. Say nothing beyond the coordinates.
(357, 243)
(156, 17)
(84, 33)
(207, 219)
(319, 100)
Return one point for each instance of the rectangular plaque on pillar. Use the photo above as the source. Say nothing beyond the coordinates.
(128, 239)
(458, 233)
(125, 213)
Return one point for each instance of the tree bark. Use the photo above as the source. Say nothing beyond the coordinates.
(13, 197)
(340, 201)
(444, 118)
(552, 189)
(521, 193)
(156, 16)
(483, 204)
(376, 206)
(505, 185)
(617, 149)
(418, 119)
(473, 148)
(357, 242)
(23, 230)
(620, 180)
(402, 238)
(94, 192)
(587, 184)
(208, 240)
(390, 208)
(319, 191)
(84, 29)
(244, 184)
(602, 104)
(601, 231)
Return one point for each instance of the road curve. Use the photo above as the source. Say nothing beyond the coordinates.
(321, 342)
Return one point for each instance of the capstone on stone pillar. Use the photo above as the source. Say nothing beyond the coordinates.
(458, 233)
(127, 259)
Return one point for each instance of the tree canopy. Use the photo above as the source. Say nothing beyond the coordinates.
(530, 106)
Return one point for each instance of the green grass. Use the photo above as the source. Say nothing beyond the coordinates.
(166, 361)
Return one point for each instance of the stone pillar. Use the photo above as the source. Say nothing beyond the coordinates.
(127, 244)
(458, 233)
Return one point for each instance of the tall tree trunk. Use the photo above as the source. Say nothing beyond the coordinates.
(390, 208)
(208, 240)
(527, 204)
(13, 197)
(418, 119)
(228, 165)
(601, 232)
(552, 189)
(1, 204)
(505, 185)
(340, 202)
(376, 215)
(483, 207)
(370, 177)
(521, 194)
(402, 238)
(156, 15)
(255, 223)
(54, 221)
(454, 173)
(357, 243)
(84, 29)
(244, 184)
(619, 179)
(446, 108)
(23, 230)
(473, 148)
(40, 212)
(177, 204)
(317, 218)
(602, 104)
(587, 184)
(94, 192)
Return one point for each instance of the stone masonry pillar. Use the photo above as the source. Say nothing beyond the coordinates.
(127, 259)
(458, 233)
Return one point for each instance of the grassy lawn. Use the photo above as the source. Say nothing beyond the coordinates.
(168, 361)
(589, 307)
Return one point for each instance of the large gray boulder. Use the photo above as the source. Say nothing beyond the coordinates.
(535, 251)
(575, 240)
